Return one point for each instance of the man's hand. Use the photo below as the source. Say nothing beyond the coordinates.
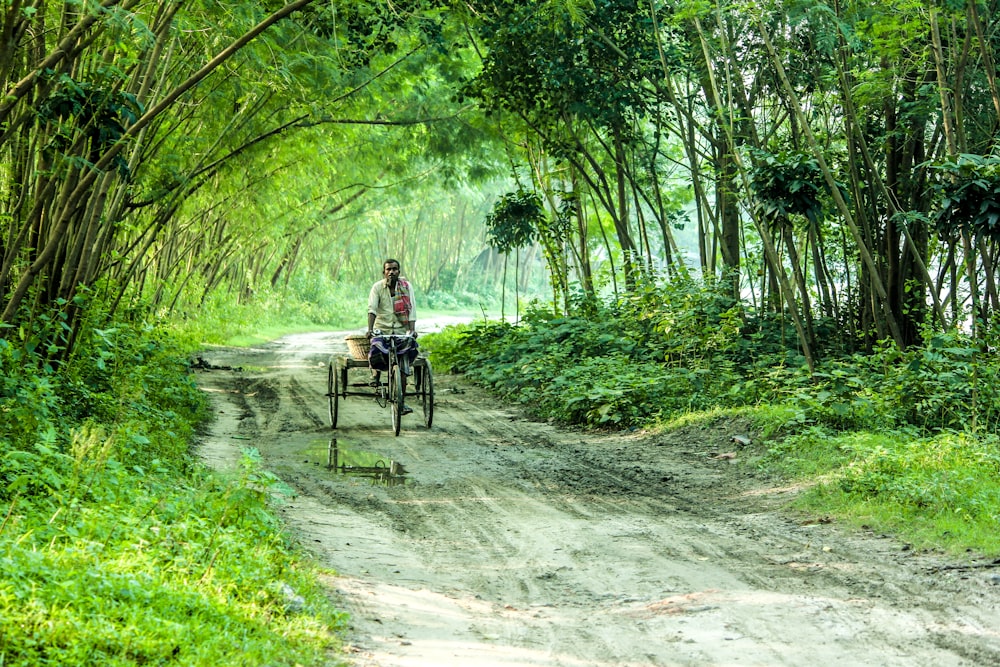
(370, 333)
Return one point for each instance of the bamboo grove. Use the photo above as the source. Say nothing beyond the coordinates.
(155, 152)
(831, 162)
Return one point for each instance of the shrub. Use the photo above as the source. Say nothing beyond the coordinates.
(684, 346)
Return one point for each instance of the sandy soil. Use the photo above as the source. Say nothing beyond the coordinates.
(512, 542)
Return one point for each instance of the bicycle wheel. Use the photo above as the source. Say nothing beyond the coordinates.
(396, 396)
(332, 392)
(427, 393)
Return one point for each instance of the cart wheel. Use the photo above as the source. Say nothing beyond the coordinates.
(427, 393)
(396, 396)
(333, 393)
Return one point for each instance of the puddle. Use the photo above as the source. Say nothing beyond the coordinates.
(357, 463)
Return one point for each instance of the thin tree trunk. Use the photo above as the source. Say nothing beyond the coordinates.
(831, 181)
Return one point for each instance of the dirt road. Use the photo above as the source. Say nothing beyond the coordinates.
(510, 542)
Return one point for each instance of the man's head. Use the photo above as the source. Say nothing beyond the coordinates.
(390, 270)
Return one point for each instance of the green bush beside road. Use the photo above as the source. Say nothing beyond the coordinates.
(116, 546)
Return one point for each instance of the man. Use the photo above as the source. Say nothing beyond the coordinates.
(391, 311)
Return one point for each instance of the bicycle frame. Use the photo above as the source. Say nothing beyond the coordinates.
(393, 393)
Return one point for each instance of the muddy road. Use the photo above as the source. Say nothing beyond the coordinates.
(511, 542)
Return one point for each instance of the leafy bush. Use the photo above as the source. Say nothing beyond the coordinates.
(682, 321)
(628, 393)
(580, 370)
(460, 347)
(683, 346)
(948, 383)
(444, 348)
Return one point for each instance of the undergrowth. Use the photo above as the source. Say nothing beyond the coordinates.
(221, 320)
(117, 548)
(903, 439)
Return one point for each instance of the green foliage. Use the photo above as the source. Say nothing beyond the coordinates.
(968, 196)
(548, 65)
(28, 403)
(455, 301)
(590, 371)
(307, 304)
(788, 183)
(681, 321)
(944, 384)
(514, 221)
(810, 452)
(100, 111)
(154, 572)
(944, 473)
(949, 382)
(444, 348)
(941, 489)
(666, 350)
(134, 378)
(116, 548)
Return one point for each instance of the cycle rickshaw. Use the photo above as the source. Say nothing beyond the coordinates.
(388, 392)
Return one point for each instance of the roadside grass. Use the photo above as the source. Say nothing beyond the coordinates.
(144, 570)
(116, 546)
(934, 491)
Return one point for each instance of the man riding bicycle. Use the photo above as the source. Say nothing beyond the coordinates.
(391, 312)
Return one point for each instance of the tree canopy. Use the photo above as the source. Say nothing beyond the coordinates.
(830, 163)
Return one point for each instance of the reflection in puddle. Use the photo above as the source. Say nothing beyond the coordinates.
(364, 464)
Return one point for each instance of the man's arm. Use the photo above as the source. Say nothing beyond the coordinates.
(371, 323)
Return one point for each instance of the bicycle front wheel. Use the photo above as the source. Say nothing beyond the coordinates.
(396, 396)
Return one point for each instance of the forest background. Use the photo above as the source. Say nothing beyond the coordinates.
(786, 211)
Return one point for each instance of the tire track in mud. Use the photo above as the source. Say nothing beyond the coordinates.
(304, 400)
(514, 542)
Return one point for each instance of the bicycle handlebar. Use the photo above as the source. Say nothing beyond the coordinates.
(378, 332)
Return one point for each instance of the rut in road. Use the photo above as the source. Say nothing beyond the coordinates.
(514, 542)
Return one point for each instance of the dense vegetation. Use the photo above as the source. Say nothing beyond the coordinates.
(116, 546)
(831, 161)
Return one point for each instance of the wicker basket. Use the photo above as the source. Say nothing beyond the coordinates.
(357, 345)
